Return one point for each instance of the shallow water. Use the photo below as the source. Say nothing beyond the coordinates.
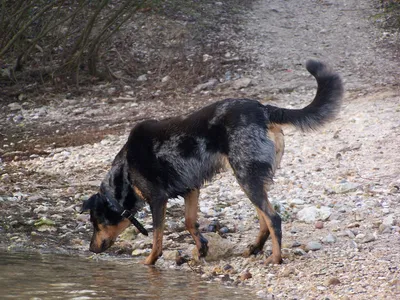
(36, 276)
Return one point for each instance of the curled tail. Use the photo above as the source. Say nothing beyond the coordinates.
(322, 109)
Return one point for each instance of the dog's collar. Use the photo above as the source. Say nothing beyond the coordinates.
(125, 213)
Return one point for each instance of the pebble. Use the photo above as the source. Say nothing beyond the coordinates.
(332, 281)
(329, 239)
(142, 78)
(319, 225)
(313, 246)
(245, 275)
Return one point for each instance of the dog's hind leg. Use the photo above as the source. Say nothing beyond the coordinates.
(276, 134)
(270, 221)
(253, 163)
(191, 207)
(261, 238)
(158, 210)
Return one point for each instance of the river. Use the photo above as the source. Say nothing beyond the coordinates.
(50, 276)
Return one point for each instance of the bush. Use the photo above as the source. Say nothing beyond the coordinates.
(59, 37)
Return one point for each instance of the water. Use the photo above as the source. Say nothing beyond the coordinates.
(36, 276)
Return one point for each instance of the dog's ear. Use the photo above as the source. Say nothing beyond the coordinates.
(112, 205)
(89, 203)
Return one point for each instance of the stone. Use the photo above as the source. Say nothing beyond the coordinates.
(383, 229)
(241, 83)
(332, 281)
(165, 79)
(140, 252)
(245, 275)
(310, 214)
(14, 106)
(345, 187)
(44, 221)
(388, 220)
(329, 239)
(296, 202)
(299, 252)
(319, 225)
(129, 234)
(218, 248)
(368, 238)
(286, 272)
(209, 85)
(142, 78)
(313, 246)
(170, 254)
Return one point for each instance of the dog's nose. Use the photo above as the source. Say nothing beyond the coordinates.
(94, 248)
(105, 244)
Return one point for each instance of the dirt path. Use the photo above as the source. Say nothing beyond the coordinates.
(346, 175)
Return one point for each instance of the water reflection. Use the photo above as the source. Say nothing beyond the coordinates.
(35, 276)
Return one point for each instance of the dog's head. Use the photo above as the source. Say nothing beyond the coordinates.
(107, 222)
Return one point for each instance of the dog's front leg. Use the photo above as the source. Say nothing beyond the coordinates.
(191, 207)
(158, 209)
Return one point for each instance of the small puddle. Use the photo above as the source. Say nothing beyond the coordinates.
(37, 276)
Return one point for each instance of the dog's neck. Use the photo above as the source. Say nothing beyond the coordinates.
(117, 185)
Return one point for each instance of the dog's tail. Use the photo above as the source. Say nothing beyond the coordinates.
(322, 109)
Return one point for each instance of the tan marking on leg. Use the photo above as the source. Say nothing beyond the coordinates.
(191, 207)
(275, 133)
(158, 233)
(262, 237)
(139, 192)
(276, 256)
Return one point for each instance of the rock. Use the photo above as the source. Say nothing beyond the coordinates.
(218, 248)
(319, 225)
(142, 78)
(286, 272)
(140, 252)
(129, 234)
(313, 246)
(14, 106)
(355, 146)
(368, 238)
(384, 229)
(245, 275)
(206, 57)
(209, 85)
(170, 254)
(47, 228)
(214, 226)
(18, 118)
(310, 214)
(224, 230)
(296, 202)
(332, 281)
(329, 239)
(241, 83)
(388, 220)
(165, 79)
(353, 225)
(299, 252)
(345, 187)
(228, 269)
(350, 234)
(44, 221)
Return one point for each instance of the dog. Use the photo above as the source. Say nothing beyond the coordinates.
(175, 156)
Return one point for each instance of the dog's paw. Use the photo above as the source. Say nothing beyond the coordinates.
(251, 250)
(273, 260)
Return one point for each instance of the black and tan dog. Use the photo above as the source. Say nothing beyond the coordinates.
(174, 157)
